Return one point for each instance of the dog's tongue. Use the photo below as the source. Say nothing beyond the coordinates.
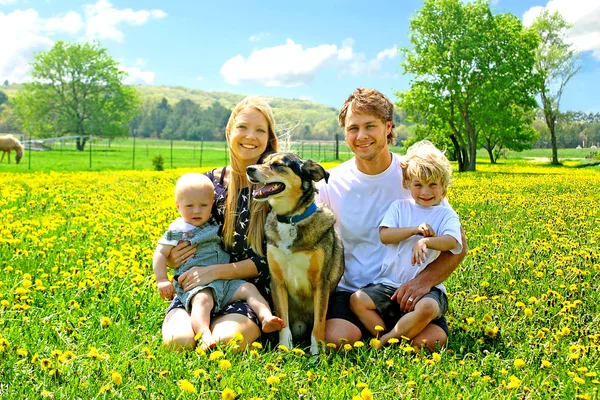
(268, 189)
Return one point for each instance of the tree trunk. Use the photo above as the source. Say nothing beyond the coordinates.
(81, 143)
(491, 154)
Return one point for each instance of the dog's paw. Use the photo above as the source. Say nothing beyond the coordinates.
(285, 337)
(314, 346)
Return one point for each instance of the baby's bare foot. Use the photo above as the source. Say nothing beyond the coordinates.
(272, 323)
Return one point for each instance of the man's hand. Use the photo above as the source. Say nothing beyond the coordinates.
(425, 230)
(180, 253)
(408, 294)
(420, 252)
(166, 289)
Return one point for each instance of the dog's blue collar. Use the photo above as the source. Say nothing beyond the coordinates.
(297, 218)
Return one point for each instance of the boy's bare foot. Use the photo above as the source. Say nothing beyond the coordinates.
(272, 324)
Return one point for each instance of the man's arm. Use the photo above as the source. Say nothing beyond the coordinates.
(434, 274)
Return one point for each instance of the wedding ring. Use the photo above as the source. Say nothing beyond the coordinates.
(410, 299)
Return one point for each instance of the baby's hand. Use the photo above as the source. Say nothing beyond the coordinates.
(420, 253)
(425, 230)
(166, 289)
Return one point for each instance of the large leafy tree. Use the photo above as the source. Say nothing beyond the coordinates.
(556, 62)
(473, 73)
(76, 89)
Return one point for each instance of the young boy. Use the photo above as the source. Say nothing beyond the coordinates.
(415, 232)
(194, 195)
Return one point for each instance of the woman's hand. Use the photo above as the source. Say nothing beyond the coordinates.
(180, 253)
(196, 276)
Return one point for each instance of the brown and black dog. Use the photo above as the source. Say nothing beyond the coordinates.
(306, 257)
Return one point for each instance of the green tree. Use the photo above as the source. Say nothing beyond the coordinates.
(556, 62)
(472, 72)
(76, 89)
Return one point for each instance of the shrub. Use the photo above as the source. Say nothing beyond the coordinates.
(159, 162)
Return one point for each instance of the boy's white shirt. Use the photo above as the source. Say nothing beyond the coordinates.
(178, 225)
(359, 202)
(397, 268)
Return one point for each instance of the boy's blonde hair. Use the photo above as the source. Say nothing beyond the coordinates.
(425, 162)
(192, 180)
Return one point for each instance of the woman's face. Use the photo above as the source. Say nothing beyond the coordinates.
(250, 135)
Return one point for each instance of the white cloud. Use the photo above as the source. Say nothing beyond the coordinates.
(140, 62)
(390, 54)
(258, 36)
(102, 20)
(199, 78)
(584, 15)
(25, 32)
(7, 2)
(137, 76)
(292, 65)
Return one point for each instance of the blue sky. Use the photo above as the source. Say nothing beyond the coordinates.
(316, 50)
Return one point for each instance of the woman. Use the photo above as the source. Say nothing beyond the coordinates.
(250, 134)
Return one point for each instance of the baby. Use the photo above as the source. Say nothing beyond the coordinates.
(194, 196)
(415, 232)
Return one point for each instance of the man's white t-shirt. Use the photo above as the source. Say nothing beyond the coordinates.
(359, 202)
(397, 267)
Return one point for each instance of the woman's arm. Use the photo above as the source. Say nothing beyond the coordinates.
(196, 276)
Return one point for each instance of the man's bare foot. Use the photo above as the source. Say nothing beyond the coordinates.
(272, 324)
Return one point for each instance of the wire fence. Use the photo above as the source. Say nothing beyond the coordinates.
(139, 153)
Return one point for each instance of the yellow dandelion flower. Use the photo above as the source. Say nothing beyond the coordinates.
(528, 312)
(199, 372)
(579, 380)
(546, 364)
(270, 367)
(591, 374)
(199, 350)
(224, 364)
(254, 353)
(476, 374)
(436, 357)
(361, 385)
(519, 363)
(347, 347)
(379, 328)
(105, 388)
(583, 396)
(45, 393)
(393, 341)
(22, 353)
(186, 386)
(5, 303)
(228, 394)
(283, 348)
(470, 320)
(513, 382)
(411, 383)
(273, 380)
(331, 345)
(237, 337)
(302, 391)
(257, 345)
(297, 351)
(215, 355)
(358, 344)
(116, 378)
(105, 321)
(366, 394)
(141, 388)
(163, 373)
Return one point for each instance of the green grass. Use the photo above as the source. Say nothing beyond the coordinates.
(76, 247)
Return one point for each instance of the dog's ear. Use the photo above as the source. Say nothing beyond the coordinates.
(315, 171)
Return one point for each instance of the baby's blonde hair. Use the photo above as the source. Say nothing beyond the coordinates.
(192, 180)
(425, 162)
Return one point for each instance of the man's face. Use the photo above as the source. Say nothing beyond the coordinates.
(366, 135)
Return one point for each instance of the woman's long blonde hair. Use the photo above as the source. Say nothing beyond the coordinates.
(258, 210)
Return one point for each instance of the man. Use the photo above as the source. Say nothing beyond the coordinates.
(360, 192)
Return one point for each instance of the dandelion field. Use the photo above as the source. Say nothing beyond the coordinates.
(80, 316)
